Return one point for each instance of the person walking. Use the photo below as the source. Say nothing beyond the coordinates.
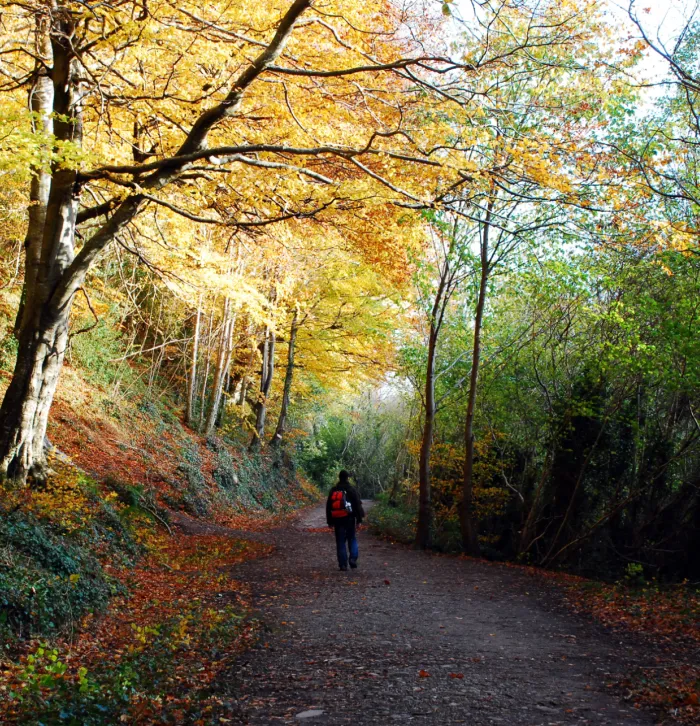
(343, 513)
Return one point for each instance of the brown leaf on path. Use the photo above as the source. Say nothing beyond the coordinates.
(457, 675)
(423, 674)
(387, 582)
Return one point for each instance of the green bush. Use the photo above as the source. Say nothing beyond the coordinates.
(51, 574)
(8, 351)
(256, 480)
(46, 580)
(140, 503)
(106, 694)
(392, 521)
(95, 350)
(194, 492)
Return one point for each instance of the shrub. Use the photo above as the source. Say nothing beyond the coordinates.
(395, 522)
(95, 350)
(53, 541)
(194, 499)
(46, 580)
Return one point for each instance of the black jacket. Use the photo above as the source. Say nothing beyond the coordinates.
(353, 497)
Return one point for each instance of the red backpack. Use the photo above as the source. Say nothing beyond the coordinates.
(340, 506)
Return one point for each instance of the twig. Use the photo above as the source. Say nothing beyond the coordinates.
(94, 315)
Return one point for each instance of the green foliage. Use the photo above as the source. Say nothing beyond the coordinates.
(391, 520)
(368, 438)
(225, 472)
(96, 349)
(105, 694)
(587, 410)
(193, 494)
(43, 669)
(634, 574)
(257, 479)
(246, 480)
(8, 352)
(49, 578)
(139, 503)
(321, 455)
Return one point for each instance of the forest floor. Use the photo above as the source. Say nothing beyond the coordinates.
(411, 637)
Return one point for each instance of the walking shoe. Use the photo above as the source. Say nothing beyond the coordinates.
(353, 564)
(344, 568)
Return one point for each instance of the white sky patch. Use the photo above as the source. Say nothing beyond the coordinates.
(662, 21)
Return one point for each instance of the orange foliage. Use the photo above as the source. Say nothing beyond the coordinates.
(669, 618)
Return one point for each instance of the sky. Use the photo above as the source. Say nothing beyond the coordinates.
(662, 20)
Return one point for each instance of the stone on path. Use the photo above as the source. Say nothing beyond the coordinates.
(310, 714)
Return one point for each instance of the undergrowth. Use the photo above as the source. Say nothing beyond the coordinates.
(172, 631)
(54, 544)
(391, 521)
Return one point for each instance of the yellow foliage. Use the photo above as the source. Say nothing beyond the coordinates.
(62, 500)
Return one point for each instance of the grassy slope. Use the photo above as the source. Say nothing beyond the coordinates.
(88, 566)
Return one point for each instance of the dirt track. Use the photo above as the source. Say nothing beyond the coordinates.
(416, 638)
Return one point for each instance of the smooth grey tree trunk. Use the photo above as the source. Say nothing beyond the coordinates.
(288, 380)
(205, 379)
(43, 329)
(266, 373)
(191, 392)
(41, 104)
(222, 365)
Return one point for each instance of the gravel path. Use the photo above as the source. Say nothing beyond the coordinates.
(415, 638)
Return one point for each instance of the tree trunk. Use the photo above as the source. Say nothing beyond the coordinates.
(43, 329)
(193, 369)
(244, 391)
(268, 367)
(54, 275)
(245, 376)
(41, 104)
(222, 363)
(529, 531)
(203, 395)
(470, 541)
(288, 380)
(25, 408)
(425, 511)
(225, 394)
(437, 315)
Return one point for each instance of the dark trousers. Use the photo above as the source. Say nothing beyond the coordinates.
(345, 539)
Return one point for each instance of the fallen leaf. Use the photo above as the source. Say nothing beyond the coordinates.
(457, 675)
(423, 674)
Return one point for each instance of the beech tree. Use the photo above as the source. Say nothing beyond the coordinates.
(144, 65)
